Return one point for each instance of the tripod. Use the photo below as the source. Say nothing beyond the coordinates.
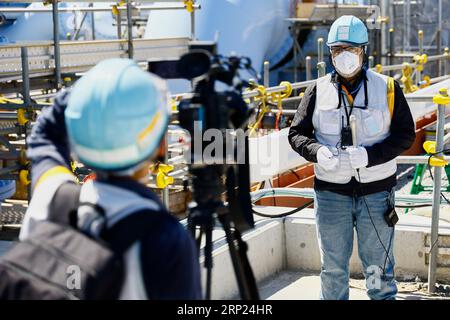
(203, 216)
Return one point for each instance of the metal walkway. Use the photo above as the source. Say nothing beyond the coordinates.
(79, 56)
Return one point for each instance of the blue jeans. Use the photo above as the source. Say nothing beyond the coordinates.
(336, 217)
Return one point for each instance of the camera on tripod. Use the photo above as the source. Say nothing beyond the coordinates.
(220, 178)
(216, 173)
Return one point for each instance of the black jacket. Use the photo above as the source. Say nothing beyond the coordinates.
(302, 140)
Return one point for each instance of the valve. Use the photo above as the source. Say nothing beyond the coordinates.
(406, 78)
(426, 81)
(21, 117)
(379, 68)
(442, 97)
(435, 161)
(23, 177)
(162, 179)
(420, 61)
(189, 5)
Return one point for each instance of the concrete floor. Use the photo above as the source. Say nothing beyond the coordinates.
(295, 285)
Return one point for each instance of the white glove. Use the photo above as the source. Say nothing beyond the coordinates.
(358, 157)
(326, 159)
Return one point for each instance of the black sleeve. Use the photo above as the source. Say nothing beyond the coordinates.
(48, 144)
(402, 133)
(170, 264)
(301, 133)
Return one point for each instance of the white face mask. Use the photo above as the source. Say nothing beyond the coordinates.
(347, 64)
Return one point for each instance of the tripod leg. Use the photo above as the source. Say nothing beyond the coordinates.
(249, 276)
(208, 261)
(242, 269)
(191, 226)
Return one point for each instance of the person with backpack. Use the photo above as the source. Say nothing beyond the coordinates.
(352, 124)
(113, 232)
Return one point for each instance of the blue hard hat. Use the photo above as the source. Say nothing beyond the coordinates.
(348, 29)
(116, 115)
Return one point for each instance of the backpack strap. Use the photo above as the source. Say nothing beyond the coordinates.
(64, 210)
(65, 203)
(391, 95)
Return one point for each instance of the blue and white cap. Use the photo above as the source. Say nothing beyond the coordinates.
(117, 115)
(348, 30)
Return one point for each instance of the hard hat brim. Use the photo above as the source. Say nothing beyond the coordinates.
(340, 43)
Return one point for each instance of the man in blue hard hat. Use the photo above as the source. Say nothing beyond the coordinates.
(354, 180)
(114, 121)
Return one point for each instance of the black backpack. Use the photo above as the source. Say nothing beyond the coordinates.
(59, 262)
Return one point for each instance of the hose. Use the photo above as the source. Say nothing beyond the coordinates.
(284, 214)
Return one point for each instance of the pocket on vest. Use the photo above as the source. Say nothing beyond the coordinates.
(373, 122)
(330, 122)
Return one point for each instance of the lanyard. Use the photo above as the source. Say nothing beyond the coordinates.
(342, 89)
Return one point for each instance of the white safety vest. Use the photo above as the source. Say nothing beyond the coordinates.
(373, 126)
(118, 203)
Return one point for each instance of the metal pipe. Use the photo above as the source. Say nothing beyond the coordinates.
(8, 170)
(15, 106)
(419, 98)
(266, 74)
(25, 77)
(391, 45)
(408, 24)
(165, 191)
(8, 156)
(119, 25)
(308, 66)
(415, 159)
(193, 25)
(294, 32)
(371, 61)
(447, 53)
(96, 9)
(56, 48)
(304, 84)
(439, 79)
(284, 112)
(297, 85)
(77, 31)
(11, 130)
(321, 69)
(439, 35)
(92, 22)
(391, 67)
(447, 136)
(320, 50)
(436, 201)
(130, 30)
(420, 35)
(384, 35)
(404, 43)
